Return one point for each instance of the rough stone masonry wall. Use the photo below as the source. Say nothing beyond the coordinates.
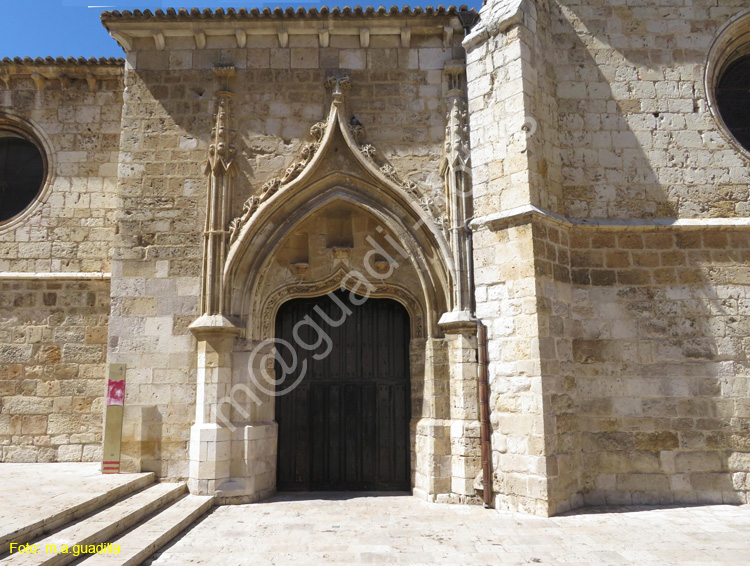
(53, 347)
(647, 403)
(661, 339)
(53, 330)
(507, 303)
(72, 228)
(661, 365)
(637, 138)
(515, 164)
(167, 119)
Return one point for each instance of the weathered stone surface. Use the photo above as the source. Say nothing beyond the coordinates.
(53, 372)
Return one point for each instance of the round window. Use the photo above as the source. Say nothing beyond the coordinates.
(733, 99)
(21, 173)
(727, 81)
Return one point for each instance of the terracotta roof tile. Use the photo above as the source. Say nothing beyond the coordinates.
(101, 61)
(278, 12)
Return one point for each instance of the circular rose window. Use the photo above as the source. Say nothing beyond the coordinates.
(727, 81)
(733, 99)
(21, 173)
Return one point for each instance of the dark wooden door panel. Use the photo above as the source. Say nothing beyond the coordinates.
(346, 426)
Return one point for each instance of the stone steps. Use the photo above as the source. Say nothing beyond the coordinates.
(50, 521)
(98, 528)
(140, 543)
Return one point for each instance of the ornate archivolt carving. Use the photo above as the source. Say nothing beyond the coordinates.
(272, 185)
(432, 204)
(340, 279)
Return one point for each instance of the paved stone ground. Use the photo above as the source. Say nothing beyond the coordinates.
(340, 529)
(32, 492)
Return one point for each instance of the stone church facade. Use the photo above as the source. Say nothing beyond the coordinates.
(552, 198)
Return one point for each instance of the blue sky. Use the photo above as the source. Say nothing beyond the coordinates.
(41, 28)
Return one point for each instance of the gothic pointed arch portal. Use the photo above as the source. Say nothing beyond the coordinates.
(336, 167)
(337, 220)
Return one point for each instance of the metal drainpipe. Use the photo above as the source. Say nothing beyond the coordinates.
(485, 430)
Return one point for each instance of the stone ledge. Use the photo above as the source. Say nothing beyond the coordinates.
(458, 322)
(216, 325)
(19, 275)
(521, 214)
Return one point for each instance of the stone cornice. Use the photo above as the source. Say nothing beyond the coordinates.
(242, 24)
(521, 214)
(62, 71)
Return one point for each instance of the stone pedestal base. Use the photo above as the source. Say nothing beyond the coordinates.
(432, 470)
(210, 452)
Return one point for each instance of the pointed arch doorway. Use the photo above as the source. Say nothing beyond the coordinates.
(346, 425)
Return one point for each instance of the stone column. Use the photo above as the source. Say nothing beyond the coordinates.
(211, 435)
(432, 431)
(466, 455)
(456, 171)
(515, 172)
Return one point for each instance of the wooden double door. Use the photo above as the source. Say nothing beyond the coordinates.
(346, 425)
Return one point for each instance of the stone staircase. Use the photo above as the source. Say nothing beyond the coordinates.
(136, 520)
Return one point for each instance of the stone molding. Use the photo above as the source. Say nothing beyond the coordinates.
(500, 220)
(458, 322)
(62, 73)
(215, 328)
(192, 14)
(14, 275)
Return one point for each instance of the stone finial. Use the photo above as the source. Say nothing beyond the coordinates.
(224, 72)
(338, 84)
(221, 151)
(454, 72)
